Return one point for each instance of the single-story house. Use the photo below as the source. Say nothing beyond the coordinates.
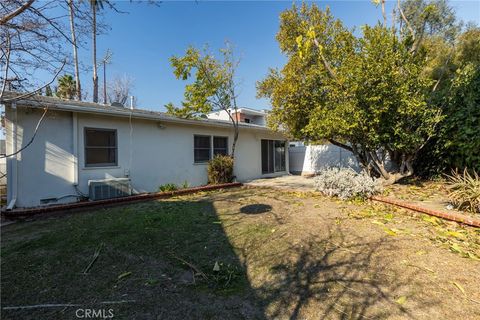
(83, 149)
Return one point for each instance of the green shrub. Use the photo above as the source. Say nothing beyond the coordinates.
(168, 187)
(220, 169)
(455, 143)
(464, 190)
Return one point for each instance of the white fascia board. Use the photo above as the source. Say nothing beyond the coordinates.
(139, 115)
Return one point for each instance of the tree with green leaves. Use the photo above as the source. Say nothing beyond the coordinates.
(455, 144)
(66, 87)
(213, 87)
(364, 94)
(461, 129)
(48, 91)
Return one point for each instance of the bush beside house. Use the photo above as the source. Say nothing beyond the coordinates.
(220, 169)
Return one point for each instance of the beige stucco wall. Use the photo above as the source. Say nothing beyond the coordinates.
(149, 152)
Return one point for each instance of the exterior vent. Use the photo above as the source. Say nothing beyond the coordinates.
(109, 188)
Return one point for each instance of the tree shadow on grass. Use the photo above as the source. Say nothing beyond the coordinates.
(331, 273)
(332, 277)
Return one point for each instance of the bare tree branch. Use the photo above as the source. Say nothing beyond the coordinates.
(119, 89)
(33, 92)
(407, 23)
(7, 65)
(324, 61)
(50, 21)
(31, 139)
(341, 145)
(15, 13)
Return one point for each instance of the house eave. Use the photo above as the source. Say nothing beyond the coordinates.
(133, 113)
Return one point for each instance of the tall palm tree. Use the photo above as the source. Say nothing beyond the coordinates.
(66, 87)
(94, 5)
(75, 53)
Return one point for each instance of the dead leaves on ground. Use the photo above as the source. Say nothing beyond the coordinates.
(461, 240)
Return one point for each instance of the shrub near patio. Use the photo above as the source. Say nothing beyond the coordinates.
(345, 183)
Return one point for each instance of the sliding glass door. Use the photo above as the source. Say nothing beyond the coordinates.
(279, 156)
(273, 156)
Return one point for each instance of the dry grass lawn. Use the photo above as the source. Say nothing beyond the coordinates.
(280, 255)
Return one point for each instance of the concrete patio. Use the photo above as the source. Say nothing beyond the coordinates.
(287, 182)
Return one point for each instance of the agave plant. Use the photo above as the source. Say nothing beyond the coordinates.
(464, 190)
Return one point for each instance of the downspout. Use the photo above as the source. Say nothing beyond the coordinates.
(13, 161)
(75, 148)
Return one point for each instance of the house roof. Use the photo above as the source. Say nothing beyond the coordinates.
(53, 103)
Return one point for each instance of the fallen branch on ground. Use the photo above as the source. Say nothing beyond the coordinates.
(191, 265)
(95, 257)
(62, 305)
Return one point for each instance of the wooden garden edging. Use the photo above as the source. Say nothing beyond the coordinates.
(24, 213)
(474, 222)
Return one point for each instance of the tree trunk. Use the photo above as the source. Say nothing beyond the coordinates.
(384, 14)
(402, 170)
(235, 138)
(94, 49)
(75, 51)
(235, 130)
(375, 166)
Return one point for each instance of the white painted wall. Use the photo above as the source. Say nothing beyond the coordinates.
(219, 115)
(311, 159)
(254, 118)
(46, 169)
(150, 154)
